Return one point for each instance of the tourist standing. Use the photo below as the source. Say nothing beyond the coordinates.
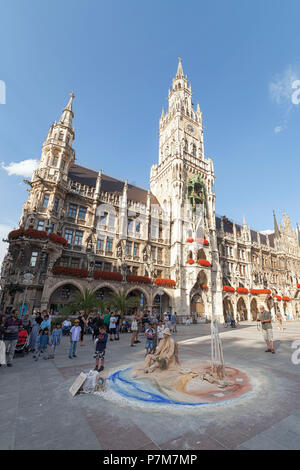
(174, 322)
(134, 330)
(45, 323)
(55, 339)
(66, 326)
(82, 323)
(267, 330)
(11, 332)
(100, 347)
(74, 338)
(118, 321)
(106, 320)
(149, 333)
(160, 330)
(112, 326)
(42, 342)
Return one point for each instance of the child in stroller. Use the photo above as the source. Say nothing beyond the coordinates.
(23, 342)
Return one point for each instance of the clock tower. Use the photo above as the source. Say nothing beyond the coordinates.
(182, 181)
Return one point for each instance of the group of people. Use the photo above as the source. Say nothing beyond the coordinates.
(42, 340)
(16, 333)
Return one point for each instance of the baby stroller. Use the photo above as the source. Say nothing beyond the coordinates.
(22, 343)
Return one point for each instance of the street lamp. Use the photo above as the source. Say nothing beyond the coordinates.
(160, 293)
(28, 277)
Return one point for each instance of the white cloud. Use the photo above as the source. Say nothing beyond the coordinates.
(266, 232)
(284, 92)
(281, 88)
(278, 129)
(4, 231)
(24, 168)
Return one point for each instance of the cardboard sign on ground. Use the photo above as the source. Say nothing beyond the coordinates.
(77, 384)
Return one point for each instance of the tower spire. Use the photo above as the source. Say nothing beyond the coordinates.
(179, 73)
(67, 114)
(276, 229)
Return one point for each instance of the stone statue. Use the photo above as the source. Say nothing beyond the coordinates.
(166, 355)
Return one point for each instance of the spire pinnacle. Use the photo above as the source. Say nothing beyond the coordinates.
(179, 73)
(276, 229)
(67, 114)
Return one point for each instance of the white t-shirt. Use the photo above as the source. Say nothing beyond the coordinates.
(160, 330)
(112, 322)
(67, 323)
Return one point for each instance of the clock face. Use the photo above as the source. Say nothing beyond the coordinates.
(190, 128)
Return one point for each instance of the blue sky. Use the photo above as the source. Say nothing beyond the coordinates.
(120, 56)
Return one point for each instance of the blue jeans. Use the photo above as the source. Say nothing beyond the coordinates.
(72, 350)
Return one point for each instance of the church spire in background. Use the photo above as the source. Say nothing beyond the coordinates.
(276, 229)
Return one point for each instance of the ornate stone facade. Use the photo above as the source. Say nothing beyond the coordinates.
(80, 228)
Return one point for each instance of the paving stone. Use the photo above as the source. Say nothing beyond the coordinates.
(31, 391)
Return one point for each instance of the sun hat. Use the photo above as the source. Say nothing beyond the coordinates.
(167, 332)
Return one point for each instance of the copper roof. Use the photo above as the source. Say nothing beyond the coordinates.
(108, 184)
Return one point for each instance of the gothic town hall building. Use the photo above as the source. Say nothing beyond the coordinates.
(84, 229)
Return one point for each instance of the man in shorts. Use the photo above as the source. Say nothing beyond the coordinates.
(266, 323)
(100, 348)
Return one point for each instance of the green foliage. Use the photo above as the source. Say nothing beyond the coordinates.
(85, 302)
(118, 302)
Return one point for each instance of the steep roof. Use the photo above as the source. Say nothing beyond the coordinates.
(88, 177)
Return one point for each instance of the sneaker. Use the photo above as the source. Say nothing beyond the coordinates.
(268, 350)
(273, 352)
(74, 355)
(132, 345)
(96, 368)
(101, 368)
(9, 365)
(111, 339)
(70, 357)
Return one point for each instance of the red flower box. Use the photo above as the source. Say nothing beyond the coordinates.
(164, 282)
(203, 241)
(286, 299)
(108, 276)
(204, 262)
(33, 233)
(277, 297)
(141, 279)
(16, 233)
(190, 261)
(242, 290)
(189, 240)
(298, 285)
(29, 232)
(260, 291)
(57, 239)
(68, 271)
(228, 289)
(204, 286)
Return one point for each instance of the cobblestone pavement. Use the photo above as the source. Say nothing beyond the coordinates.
(37, 411)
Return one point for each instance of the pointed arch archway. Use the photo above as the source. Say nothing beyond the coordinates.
(228, 310)
(254, 309)
(242, 309)
(141, 294)
(62, 294)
